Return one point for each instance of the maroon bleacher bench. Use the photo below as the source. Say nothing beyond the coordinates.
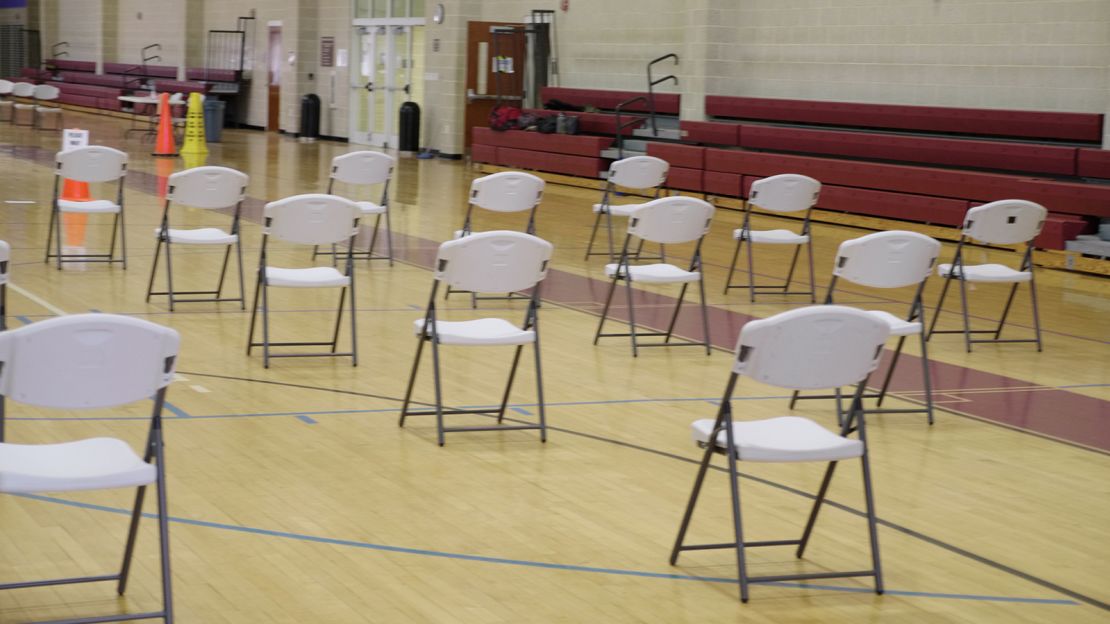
(1086, 127)
(68, 65)
(665, 103)
(576, 155)
(596, 123)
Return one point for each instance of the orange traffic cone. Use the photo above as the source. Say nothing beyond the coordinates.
(165, 145)
(74, 190)
(163, 171)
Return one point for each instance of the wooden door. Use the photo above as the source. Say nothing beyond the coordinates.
(273, 100)
(490, 46)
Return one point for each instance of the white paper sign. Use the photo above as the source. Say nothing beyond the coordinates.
(341, 57)
(73, 138)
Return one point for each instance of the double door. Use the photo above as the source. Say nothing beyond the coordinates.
(382, 78)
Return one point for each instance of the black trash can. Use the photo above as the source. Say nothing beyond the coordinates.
(410, 127)
(310, 117)
(213, 119)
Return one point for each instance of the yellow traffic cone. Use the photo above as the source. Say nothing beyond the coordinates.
(194, 127)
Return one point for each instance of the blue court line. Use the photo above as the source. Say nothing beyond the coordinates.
(306, 418)
(22, 319)
(173, 409)
(1098, 385)
(536, 564)
(519, 407)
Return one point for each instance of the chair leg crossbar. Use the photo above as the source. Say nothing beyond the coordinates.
(623, 274)
(768, 289)
(154, 454)
(173, 295)
(854, 423)
(955, 273)
(262, 289)
(430, 335)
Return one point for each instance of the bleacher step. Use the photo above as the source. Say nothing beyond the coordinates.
(614, 153)
(1090, 245)
(670, 134)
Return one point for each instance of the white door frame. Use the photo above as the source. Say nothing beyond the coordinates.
(382, 33)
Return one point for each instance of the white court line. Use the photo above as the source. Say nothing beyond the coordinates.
(19, 201)
(180, 377)
(200, 389)
(37, 299)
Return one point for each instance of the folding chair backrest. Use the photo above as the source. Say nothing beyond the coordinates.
(499, 261)
(46, 92)
(6, 87)
(887, 259)
(1005, 222)
(671, 220)
(23, 89)
(86, 361)
(95, 163)
(786, 192)
(363, 167)
(639, 172)
(5, 257)
(207, 187)
(823, 346)
(312, 219)
(507, 191)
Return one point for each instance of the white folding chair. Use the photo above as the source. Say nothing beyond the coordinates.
(782, 194)
(312, 219)
(894, 259)
(24, 109)
(639, 173)
(207, 188)
(95, 163)
(504, 192)
(667, 220)
(1004, 222)
(47, 93)
(366, 168)
(498, 261)
(85, 361)
(5, 258)
(5, 103)
(807, 348)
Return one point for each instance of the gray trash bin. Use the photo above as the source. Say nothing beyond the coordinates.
(213, 119)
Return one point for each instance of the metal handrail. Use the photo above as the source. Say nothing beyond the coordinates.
(54, 53)
(651, 87)
(621, 127)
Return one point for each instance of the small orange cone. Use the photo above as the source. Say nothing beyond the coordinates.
(165, 145)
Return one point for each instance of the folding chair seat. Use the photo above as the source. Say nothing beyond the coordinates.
(504, 192)
(894, 259)
(46, 365)
(207, 188)
(312, 219)
(787, 193)
(639, 173)
(6, 107)
(47, 93)
(366, 168)
(95, 163)
(807, 348)
(5, 260)
(1003, 222)
(498, 261)
(667, 220)
(26, 110)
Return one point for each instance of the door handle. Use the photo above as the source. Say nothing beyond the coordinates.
(369, 87)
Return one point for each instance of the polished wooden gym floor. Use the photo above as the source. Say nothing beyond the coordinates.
(296, 498)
